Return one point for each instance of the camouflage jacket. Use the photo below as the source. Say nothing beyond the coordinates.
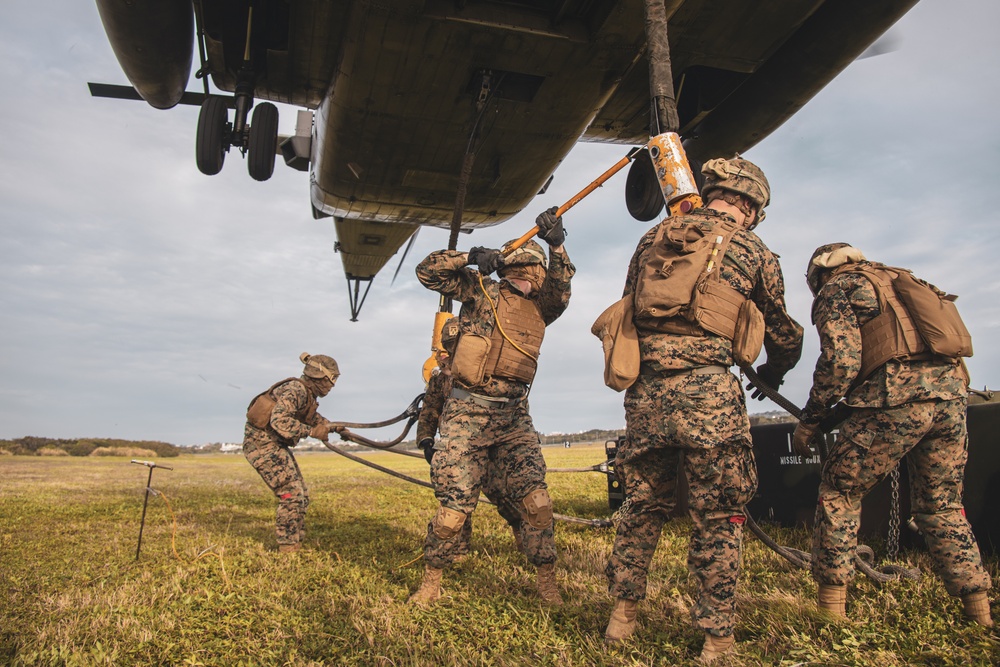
(292, 403)
(437, 392)
(445, 272)
(750, 268)
(844, 304)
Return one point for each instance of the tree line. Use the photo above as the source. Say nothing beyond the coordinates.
(35, 446)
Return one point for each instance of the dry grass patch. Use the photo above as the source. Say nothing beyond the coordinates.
(123, 451)
(75, 595)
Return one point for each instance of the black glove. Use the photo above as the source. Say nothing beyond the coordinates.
(804, 437)
(487, 259)
(550, 228)
(768, 376)
(427, 444)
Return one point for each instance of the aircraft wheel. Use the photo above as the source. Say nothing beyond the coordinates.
(643, 195)
(210, 145)
(263, 143)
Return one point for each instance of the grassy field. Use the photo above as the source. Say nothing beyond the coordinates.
(216, 592)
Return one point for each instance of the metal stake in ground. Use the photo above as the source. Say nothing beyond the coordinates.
(145, 502)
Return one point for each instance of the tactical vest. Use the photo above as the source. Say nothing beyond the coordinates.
(679, 288)
(522, 322)
(892, 334)
(262, 405)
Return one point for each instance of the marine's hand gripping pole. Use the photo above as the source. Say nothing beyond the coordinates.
(145, 501)
(575, 199)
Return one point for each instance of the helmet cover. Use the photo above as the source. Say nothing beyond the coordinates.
(320, 366)
(829, 256)
(740, 176)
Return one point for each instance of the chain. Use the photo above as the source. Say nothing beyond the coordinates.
(620, 513)
(893, 540)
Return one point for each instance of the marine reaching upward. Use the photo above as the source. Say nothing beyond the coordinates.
(485, 422)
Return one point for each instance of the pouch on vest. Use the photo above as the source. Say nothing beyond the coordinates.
(749, 336)
(677, 267)
(262, 405)
(620, 340)
(469, 361)
(935, 317)
(259, 412)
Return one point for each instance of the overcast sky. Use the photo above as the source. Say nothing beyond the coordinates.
(143, 300)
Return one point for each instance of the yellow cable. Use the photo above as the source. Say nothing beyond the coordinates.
(496, 318)
(409, 562)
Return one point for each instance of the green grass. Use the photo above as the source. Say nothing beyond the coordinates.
(73, 594)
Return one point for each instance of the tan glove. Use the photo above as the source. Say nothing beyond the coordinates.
(803, 437)
(320, 431)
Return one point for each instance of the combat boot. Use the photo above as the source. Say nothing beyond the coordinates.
(622, 623)
(546, 583)
(977, 608)
(716, 647)
(430, 587)
(833, 598)
(289, 548)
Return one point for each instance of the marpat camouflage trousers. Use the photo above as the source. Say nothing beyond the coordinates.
(493, 489)
(933, 437)
(474, 442)
(279, 470)
(697, 423)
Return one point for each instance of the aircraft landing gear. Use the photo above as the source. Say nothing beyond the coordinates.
(263, 141)
(212, 140)
(258, 141)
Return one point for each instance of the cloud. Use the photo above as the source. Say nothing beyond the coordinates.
(144, 300)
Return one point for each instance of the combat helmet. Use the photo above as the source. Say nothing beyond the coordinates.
(320, 366)
(740, 176)
(527, 263)
(829, 256)
(529, 253)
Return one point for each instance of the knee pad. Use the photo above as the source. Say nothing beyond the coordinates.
(537, 507)
(447, 522)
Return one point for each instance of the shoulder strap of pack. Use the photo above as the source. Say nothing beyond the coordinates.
(720, 245)
(270, 392)
(881, 277)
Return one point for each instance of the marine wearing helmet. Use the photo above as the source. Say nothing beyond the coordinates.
(739, 182)
(485, 429)
(320, 372)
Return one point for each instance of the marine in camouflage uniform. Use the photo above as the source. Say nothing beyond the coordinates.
(686, 413)
(438, 390)
(913, 406)
(268, 449)
(485, 425)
